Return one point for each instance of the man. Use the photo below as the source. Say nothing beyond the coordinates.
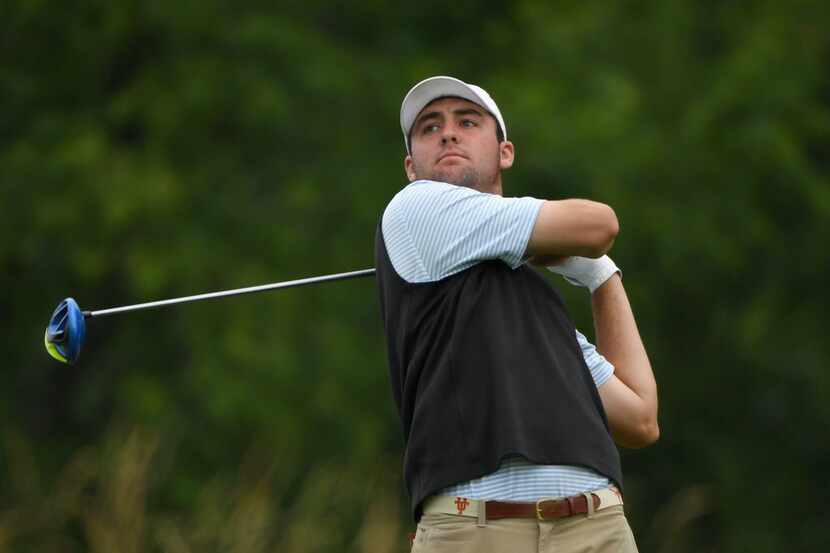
(509, 414)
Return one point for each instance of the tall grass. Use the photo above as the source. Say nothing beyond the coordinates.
(105, 500)
(101, 502)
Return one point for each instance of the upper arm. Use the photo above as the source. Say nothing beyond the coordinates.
(599, 367)
(629, 425)
(625, 410)
(432, 230)
(573, 227)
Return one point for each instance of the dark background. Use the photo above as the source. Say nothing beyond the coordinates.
(156, 149)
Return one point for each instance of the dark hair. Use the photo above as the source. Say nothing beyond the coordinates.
(499, 134)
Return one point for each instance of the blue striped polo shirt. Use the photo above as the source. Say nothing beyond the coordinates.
(433, 230)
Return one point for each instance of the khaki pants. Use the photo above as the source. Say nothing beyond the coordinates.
(607, 531)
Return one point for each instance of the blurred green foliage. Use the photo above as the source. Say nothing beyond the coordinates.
(156, 149)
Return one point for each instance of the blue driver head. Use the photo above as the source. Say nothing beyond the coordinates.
(65, 333)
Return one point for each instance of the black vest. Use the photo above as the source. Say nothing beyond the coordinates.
(484, 364)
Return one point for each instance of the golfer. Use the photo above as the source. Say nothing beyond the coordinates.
(511, 416)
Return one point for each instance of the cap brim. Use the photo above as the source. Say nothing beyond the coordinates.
(431, 89)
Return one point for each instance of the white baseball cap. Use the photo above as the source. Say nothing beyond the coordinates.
(438, 87)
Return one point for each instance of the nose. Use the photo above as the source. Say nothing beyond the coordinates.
(449, 135)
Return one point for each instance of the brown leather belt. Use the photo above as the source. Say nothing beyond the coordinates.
(544, 509)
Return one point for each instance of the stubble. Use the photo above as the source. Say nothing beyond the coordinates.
(468, 177)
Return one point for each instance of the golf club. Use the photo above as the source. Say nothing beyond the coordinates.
(66, 330)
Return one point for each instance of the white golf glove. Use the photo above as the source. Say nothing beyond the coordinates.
(586, 272)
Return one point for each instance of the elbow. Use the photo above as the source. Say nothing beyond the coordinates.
(607, 229)
(647, 434)
(650, 434)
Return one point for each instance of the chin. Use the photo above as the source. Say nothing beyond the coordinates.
(462, 176)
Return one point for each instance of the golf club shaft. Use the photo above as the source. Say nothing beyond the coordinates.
(226, 293)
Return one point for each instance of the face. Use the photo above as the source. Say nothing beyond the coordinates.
(454, 141)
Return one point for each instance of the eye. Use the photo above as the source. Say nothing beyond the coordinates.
(467, 123)
(430, 127)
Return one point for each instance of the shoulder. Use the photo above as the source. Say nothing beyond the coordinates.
(419, 199)
(420, 191)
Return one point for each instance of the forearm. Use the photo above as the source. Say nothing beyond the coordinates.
(618, 340)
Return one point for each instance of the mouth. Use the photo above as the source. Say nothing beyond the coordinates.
(451, 155)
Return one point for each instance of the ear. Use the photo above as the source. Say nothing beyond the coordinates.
(409, 167)
(506, 155)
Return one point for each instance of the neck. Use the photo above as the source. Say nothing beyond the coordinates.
(493, 188)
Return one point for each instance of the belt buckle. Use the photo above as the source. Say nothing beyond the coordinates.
(539, 506)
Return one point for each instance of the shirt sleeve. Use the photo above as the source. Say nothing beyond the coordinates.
(601, 369)
(433, 229)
